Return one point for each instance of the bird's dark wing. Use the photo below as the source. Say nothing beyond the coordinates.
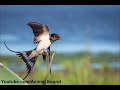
(49, 53)
(44, 57)
(24, 56)
(38, 30)
(29, 62)
(49, 56)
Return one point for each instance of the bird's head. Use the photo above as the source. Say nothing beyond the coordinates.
(54, 37)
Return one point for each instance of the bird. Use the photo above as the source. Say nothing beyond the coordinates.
(43, 39)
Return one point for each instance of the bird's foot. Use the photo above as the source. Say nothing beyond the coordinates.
(52, 52)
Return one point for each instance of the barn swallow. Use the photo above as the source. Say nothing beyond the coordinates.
(43, 39)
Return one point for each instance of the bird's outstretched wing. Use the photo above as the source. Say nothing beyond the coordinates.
(29, 62)
(38, 30)
(24, 56)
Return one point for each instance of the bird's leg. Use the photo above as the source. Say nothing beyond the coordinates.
(52, 53)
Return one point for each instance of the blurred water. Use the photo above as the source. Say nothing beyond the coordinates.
(57, 67)
(13, 66)
(114, 65)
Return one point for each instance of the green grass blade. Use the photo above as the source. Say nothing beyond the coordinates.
(8, 77)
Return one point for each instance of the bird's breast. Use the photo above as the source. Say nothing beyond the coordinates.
(43, 45)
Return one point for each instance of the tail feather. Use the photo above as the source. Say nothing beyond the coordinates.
(10, 49)
(24, 56)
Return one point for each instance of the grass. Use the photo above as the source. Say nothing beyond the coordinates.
(8, 77)
(76, 70)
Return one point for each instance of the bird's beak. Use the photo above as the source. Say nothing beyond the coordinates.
(59, 38)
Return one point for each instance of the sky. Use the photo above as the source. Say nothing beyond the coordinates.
(94, 28)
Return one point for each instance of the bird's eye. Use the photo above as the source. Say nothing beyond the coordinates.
(57, 37)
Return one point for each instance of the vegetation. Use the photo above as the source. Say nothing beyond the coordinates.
(8, 77)
(76, 69)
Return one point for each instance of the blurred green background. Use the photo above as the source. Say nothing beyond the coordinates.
(75, 69)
